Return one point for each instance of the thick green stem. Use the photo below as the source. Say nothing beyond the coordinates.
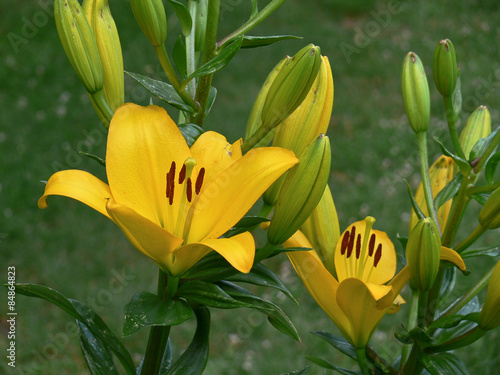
(422, 307)
(158, 336)
(452, 119)
(457, 210)
(253, 21)
(103, 106)
(478, 232)
(412, 323)
(494, 143)
(424, 170)
(363, 364)
(208, 54)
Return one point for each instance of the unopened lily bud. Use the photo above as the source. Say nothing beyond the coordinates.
(423, 252)
(301, 191)
(440, 174)
(415, 93)
(306, 123)
(478, 126)
(323, 231)
(291, 86)
(151, 17)
(108, 43)
(79, 44)
(445, 67)
(489, 217)
(489, 318)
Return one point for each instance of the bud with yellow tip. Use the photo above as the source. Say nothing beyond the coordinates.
(151, 17)
(478, 126)
(445, 67)
(415, 93)
(489, 318)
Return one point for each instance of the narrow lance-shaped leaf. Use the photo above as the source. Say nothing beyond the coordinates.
(491, 168)
(463, 164)
(208, 294)
(261, 41)
(183, 16)
(449, 191)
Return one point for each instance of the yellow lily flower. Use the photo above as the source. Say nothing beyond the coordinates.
(172, 202)
(365, 288)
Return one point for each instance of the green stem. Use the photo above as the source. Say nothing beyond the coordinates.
(158, 336)
(253, 21)
(256, 137)
(494, 143)
(265, 210)
(190, 49)
(424, 170)
(467, 338)
(412, 323)
(208, 53)
(422, 307)
(162, 54)
(450, 116)
(103, 106)
(263, 253)
(413, 366)
(478, 232)
(483, 189)
(457, 209)
(363, 364)
(386, 367)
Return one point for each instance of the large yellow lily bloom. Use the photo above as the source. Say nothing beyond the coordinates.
(365, 288)
(172, 202)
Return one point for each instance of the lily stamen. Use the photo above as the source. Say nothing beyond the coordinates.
(187, 193)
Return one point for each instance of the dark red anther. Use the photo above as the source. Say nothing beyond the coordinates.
(358, 246)
(182, 174)
(371, 245)
(345, 242)
(350, 246)
(378, 255)
(199, 181)
(189, 190)
(170, 184)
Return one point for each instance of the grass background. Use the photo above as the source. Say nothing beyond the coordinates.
(46, 117)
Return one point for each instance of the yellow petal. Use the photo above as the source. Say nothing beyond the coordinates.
(233, 192)
(362, 308)
(453, 257)
(142, 143)
(78, 185)
(146, 236)
(238, 250)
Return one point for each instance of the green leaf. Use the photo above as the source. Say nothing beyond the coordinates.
(166, 361)
(247, 223)
(261, 41)
(443, 335)
(147, 309)
(298, 372)
(481, 145)
(183, 15)
(191, 132)
(162, 91)
(208, 294)
(212, 94)
(94, 157)
(492, 251)
(98, 357)
(491, 168)
(481, 198)
(194, 360)
(255, 8)
(211, 266)
(447, 286)
(86, 315)
(463, 164)
(262, 276)
(338, 343)
(328, 365)
(219, 61)
(179, 57)
(414, 204)
(444, 364)
(449, 191)
(403, 240)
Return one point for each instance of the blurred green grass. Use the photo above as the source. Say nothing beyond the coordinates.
(46, 117)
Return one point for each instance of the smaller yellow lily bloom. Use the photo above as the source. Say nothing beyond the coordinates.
(365, 288)
(172, 202)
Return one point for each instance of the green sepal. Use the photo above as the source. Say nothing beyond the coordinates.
(443, 363)
(492, 251)
(262, 276)
(179, 57)
(162, 91)
(275, 315)
(261, 41)
(147, 309)
(94, 157)
(298, 372)
(98, 357)
(191, 132)
(339, 343)
(414, 204)
(247, 223)
(491, 168)
(183, 15)
(463, 164)
(194, 360)
(86, 315)
(219, 61)
(328, 365)
(449, 191)
(208, 294)
(481, 145)
(166, 361)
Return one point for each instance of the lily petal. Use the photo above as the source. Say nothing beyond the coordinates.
(453, 257)
(238, 250)
(137, 174)
(149, 238)
(78, 185)
(233, 192)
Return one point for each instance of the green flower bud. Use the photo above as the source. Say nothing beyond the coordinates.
(445, 67)
(151, 17)
(79, 44)
(489, 317)
(489, 217)
(415, 93)
(323, 231)
(301, 191)
(423, 252)
(291, 86)
(478, 126)
(108, 43)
